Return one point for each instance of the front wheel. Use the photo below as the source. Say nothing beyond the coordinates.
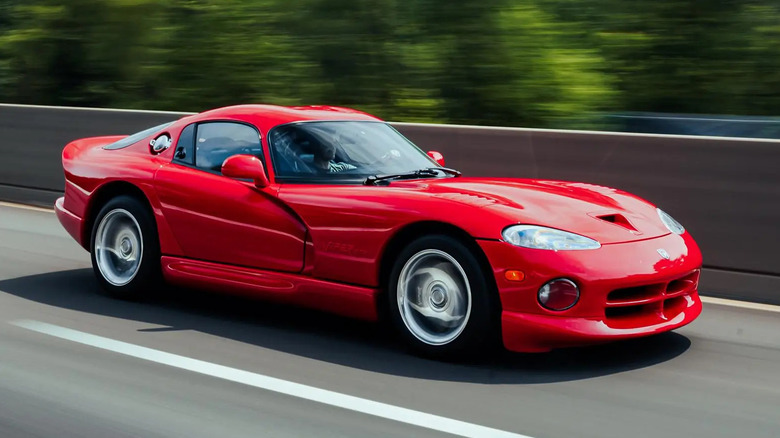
(125, 249)
(439, 298)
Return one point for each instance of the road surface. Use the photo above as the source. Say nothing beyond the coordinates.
(59, 377)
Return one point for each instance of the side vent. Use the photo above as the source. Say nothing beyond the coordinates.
(618, 219)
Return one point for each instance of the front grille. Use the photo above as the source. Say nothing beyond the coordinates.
(660, 301)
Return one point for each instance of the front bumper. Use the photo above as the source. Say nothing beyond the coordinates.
(627, 290)
(538, 333)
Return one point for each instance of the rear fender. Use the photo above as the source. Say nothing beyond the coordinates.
(143, 191)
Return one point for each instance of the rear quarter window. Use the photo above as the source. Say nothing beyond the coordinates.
(135, 138)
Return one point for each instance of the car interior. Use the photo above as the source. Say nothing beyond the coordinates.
(294, 152)
(212, 152)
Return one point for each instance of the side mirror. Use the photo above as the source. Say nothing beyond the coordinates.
(437, 157)
(245, 167)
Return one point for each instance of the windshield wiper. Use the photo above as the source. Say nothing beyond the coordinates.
(419, 173)
(447, 170)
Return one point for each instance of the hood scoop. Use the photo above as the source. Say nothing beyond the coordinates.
(620, 220)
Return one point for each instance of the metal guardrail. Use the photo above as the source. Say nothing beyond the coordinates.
(697, 124)
(726, 191)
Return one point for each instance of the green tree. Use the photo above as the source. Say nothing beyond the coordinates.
(54, 55)
(515, 65)
(546, 63)
(218, 53)
(685, 56)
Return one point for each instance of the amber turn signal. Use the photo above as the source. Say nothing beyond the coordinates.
(513, 275)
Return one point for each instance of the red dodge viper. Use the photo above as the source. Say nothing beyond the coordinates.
(333, 209)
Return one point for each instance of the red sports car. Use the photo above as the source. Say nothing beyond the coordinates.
(334, 209)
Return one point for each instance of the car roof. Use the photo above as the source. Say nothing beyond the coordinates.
(266, 117)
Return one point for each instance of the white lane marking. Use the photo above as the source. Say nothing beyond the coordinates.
(26, 207)
(352, 403)
(741, 304)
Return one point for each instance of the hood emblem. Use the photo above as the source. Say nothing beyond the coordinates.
(662, 252)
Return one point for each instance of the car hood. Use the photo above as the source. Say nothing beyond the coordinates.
(602, 213)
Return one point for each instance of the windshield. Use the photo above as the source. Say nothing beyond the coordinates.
(343, 150)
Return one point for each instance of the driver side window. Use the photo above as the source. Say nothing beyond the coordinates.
(217, 141)
(308, 149)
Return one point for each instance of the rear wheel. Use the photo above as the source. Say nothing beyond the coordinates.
(125, 248)
(439, 298)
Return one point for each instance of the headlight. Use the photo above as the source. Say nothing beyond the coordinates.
(533, 236)
(670, 223)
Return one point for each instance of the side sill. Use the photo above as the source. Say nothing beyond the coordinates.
(347, 300)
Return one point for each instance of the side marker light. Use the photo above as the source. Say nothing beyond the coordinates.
(514, 275)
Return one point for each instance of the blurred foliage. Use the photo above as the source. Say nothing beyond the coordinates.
(543, 63)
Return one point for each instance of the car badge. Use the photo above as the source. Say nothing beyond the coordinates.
(662, 252)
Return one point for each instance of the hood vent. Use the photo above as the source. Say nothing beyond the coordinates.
(476, 200)
(618, 219)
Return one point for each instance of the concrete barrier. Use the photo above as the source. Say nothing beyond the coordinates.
(725, 191)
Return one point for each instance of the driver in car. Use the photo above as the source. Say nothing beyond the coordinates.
(324, 156)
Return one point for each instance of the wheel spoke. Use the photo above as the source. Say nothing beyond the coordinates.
(118, 247)
(434, 297)
(430, 313)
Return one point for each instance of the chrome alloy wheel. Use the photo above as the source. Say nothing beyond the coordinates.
(119, 247)
(434, 297)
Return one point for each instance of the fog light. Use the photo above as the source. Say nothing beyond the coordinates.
(559, 294)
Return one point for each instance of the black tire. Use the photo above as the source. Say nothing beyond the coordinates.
(479, 332)
(124, 212)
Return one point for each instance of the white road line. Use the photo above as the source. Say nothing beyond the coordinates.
(25, 207)
(356, 404)
(741, 304)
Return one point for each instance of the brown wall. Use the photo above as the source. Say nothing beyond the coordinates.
(726, 192)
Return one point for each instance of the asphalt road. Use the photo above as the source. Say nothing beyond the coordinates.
(718, 377)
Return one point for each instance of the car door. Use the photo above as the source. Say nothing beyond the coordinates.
(220, 219)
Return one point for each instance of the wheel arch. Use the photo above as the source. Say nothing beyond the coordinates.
(410, 232)
(103, 195)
